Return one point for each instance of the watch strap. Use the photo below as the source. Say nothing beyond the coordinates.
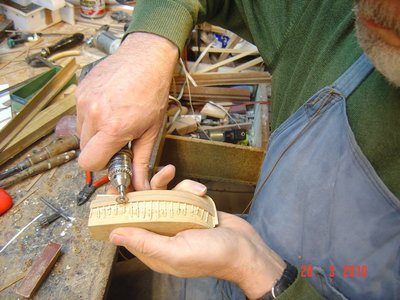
(288, 277)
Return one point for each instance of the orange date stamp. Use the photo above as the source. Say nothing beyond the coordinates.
(348, 271)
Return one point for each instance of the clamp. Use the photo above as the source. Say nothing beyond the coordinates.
(90, 187)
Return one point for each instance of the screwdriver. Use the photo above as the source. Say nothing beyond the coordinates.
(39, 59)
(57, 146)
(40, 167)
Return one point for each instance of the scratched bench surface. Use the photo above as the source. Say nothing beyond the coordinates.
(83, 269)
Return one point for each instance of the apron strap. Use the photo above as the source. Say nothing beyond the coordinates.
(353, 76)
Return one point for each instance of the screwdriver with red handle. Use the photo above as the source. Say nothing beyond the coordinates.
(5, 201)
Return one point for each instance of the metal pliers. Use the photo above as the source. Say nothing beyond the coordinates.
(90, 187)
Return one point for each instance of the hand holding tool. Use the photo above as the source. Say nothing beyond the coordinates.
(57, 146)
(120, 172)
(39, 59)
(5, 201)
(90, 187)
(40, 167)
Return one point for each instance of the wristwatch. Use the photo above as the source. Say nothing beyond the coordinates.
(288, 277)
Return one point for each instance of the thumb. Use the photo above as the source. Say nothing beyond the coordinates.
(140, 241)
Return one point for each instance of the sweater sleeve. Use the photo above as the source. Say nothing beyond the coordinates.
(175, 19)
(300, 289)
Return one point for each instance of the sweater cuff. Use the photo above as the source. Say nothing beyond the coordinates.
(154, 16)
(300, 289)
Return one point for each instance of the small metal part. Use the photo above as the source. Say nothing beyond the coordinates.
(85, 194)
(120, 172)
(106, 42)
(46, 220)
(121, 16)
(57, 210)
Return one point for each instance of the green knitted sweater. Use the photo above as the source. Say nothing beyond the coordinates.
(306, 45)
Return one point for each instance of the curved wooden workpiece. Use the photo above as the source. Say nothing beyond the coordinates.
(161, 211)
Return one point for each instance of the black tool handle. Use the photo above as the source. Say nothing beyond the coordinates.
(46, 220)
(62, 45)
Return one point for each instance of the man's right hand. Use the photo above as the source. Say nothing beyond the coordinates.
(124, 99)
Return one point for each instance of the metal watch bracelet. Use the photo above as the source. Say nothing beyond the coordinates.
(288, 277)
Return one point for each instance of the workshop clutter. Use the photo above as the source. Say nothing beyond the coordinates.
(222, 92)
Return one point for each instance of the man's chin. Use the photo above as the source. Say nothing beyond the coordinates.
(384, 57)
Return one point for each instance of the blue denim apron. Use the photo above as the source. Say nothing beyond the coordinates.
(320, 203)
(321, 206)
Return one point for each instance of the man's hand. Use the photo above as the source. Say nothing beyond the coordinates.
(124, 99)
(232, 251)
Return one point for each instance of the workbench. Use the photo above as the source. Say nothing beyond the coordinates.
(83, 270)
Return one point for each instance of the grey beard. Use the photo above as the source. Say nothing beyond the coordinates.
(385, 58)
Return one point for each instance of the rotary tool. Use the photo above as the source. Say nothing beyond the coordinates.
(120, 172)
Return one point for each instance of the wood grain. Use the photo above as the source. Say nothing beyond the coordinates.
(41, 125)
(40, 268)
(163, 212)
(37, 103)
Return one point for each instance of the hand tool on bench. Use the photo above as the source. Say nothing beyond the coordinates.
(40, 167)
(40, 59)
(57, 146)
(21, 37)
(90, 187)
(45, 220)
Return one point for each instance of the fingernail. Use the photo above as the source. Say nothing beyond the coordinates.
(117, 239)
(200, 188)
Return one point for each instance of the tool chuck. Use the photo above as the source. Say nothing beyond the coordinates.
(120, 172)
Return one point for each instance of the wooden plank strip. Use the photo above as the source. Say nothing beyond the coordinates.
(37, 103)
(219, 50)
(216, 93)
(199, 59)
(248, 64)
(217, 78)
(15, 280)
(226, 61)
(40, 269)
(42, 124)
